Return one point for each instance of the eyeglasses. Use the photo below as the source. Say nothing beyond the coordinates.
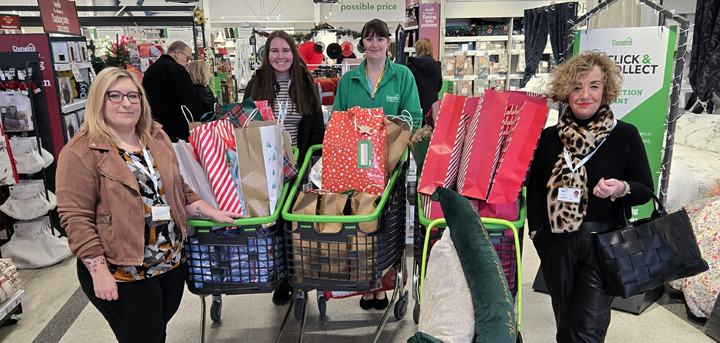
(117, 97)
(184, 54)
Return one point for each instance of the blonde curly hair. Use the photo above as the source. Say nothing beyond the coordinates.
(568, 74)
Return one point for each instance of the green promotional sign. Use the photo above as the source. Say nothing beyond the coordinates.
(645, 55)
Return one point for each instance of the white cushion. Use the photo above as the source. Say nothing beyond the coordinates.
(447, 308)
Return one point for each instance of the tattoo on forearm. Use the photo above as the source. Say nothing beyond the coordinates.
(198, 212)
(93, 263)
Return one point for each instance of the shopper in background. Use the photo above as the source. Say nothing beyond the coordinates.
(168, 86)
(427, 72)
(124, 207)
(604, 160)
(285, 83)
(377, 82)
(200, 77)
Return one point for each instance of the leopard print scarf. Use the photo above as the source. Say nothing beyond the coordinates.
(580, 142)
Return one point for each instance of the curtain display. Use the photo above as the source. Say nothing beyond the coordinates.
(705, 57)
(538, 23)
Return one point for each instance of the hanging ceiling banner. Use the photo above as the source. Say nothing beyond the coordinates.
(365, 10)
(59, 16)
(645, 56)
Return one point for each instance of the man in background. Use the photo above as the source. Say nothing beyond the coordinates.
(168, 86)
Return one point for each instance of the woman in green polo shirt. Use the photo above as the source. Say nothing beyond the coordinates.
(377, 82)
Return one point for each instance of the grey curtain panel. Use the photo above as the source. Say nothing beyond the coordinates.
(538, 22)
(705, 57)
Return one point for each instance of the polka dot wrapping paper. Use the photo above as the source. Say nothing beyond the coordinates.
(343, 150)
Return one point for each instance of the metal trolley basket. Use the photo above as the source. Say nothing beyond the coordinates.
(349, 260)
(506, 237)
(251, 260)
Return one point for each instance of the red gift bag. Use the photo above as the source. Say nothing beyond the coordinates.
(211, 141)
(355, 152)
(265, 110)
(432, 209)
(482, 145)
(508, 211)
(524, 124)
(520, 97)
(446, 145)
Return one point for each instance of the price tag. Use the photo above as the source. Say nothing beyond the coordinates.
(76, 73)
(364, 154)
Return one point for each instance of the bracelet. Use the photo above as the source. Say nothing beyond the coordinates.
(625, 191)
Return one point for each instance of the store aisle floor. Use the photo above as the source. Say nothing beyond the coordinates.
(56, 311)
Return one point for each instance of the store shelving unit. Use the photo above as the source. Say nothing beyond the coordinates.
(11, 307)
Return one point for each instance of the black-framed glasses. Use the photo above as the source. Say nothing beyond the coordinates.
(189, 58)
(117, 97)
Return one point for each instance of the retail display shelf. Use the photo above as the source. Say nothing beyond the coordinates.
(409, 49)
(476, 39)
(11, 303)
(462, 77)
(414, 27)
(78, 104)
(68, 66)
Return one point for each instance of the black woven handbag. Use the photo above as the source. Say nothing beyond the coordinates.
(648, 253)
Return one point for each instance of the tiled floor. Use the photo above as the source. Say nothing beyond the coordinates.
(253, 318)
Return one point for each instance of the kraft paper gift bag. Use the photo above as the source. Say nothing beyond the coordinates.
(362, 204)
(335, 267)
(260, 147)
(306, 203)
(398, 136)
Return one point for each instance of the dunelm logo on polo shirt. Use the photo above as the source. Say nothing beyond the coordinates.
(627, 41)
(395, 99)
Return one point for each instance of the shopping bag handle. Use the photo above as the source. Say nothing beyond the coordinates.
(184, 108)
(404, 116)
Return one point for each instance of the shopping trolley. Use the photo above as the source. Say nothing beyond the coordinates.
(349, 260)
(502, 238)
(247, 259)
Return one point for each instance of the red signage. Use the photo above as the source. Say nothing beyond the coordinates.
(429, 22)
(59, 16)
(39, 43)
(9, 22)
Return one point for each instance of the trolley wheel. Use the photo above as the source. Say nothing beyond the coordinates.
(519, 338)
(401, 307)
(416, 313)
(299, 308)
(215, 310)
(322, 305)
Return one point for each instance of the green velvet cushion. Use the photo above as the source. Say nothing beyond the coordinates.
(492, 300)
(420, 337)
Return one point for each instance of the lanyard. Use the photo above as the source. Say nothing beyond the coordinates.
(282, 113)
(370, 86)
(584, 160)
(150, 171)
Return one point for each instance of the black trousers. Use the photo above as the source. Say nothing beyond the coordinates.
(570, 269)
(143, 308)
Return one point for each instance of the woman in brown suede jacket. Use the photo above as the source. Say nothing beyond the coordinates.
(124, 206)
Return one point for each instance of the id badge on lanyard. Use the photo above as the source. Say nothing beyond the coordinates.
(573, 195)
(159, 212)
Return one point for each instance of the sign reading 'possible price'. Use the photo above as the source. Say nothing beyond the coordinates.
(59, 16)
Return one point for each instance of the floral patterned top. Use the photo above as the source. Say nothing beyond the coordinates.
(163, 242)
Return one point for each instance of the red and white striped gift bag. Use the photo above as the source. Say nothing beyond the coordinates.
(445, 151)
(211, 141)
(483, 144)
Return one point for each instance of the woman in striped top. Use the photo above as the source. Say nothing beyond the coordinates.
(287, 85)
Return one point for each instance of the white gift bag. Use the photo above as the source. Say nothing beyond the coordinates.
(193, 173)
(273, 156)
(33, 245)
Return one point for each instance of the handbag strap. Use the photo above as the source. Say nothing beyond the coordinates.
(658, 210)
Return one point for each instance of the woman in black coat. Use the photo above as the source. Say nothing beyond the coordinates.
(200, 77)
(428, 74)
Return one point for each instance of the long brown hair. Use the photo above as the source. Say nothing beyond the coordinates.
(303, 91)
